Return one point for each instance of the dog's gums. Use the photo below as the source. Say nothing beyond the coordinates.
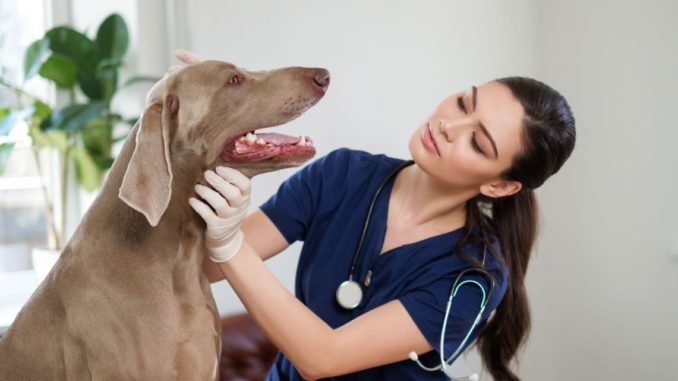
(253, 147)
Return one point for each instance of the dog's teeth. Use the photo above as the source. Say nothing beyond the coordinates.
(302, 141)
(250, 137)
(261, 141)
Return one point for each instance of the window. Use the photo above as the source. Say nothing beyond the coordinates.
(22, 216)
(22, 220)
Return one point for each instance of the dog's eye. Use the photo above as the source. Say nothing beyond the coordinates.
(234, 80)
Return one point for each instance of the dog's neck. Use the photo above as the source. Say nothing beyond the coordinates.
(179, 227)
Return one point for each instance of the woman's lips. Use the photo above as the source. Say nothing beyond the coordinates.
(427, 139)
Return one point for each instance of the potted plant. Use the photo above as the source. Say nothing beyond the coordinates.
(81, 130)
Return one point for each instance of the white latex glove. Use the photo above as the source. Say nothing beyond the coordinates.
(230, 199)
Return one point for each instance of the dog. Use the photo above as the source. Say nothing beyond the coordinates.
(128, 300)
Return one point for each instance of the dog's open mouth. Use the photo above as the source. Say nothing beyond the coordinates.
(254, 147)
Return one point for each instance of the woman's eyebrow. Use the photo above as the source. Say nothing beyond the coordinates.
(482, 126)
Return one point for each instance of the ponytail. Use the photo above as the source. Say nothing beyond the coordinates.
(514, 224)
(548, 140)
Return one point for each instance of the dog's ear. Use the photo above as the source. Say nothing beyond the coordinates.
(147, 184)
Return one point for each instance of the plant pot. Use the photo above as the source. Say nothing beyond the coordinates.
(43, 261)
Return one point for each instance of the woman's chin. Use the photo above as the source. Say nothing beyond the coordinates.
(414, 145)
(418, 152)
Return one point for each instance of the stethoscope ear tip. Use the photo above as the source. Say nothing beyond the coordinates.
(413, 356)
(471, 377)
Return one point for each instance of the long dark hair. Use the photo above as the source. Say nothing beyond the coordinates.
(548, 138)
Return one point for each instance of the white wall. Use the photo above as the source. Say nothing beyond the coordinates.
(603, 284)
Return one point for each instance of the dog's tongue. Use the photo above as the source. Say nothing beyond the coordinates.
(273, 138)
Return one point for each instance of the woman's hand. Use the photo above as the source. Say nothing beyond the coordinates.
(229, 201)
(186, 57)
(189, 58)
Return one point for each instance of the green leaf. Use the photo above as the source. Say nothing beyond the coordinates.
(61, 70)
(5, 153)
(107, 74)
(6, 123)
(140, 78)
(35, 55)
(131, 121)
(112, 38)
(56, 139)
(91, 86)
(74, 117)
(87, 171)
(115, 117)
(74, 45)
(42, 110)
(108, 63)
(104, 162)
(10, 117)
(97, 136)
(40, 113)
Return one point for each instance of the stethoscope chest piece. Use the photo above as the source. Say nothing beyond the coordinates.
(349, 294)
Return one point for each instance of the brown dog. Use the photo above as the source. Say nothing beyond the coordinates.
(127, 299)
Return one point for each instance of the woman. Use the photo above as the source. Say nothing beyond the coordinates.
(466, 201)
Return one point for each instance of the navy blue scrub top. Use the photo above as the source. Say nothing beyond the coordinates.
(324, 204)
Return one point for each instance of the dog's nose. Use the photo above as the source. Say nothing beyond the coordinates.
(321, 77)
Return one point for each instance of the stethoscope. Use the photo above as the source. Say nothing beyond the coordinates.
(349, 293)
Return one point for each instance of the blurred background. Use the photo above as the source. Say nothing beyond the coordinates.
(604, 275)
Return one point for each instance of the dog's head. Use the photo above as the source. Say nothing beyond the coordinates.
(212, 111)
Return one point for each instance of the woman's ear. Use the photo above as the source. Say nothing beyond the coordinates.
(500, 188)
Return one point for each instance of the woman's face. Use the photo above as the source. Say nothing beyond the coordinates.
(471, 138)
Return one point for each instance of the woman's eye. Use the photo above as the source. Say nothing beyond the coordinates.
(460, 103)
(234, 80)
(474, 144)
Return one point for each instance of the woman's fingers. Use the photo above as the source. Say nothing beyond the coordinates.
(228, 195)
(187, 57)
(173, 69)
(203, 210)
(228, 190)
(214, 199)
(236, 178)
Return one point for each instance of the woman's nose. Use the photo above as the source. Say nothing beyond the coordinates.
(447, 129)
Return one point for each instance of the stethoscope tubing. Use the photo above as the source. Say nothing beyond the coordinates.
(356, 300)
(366, 223)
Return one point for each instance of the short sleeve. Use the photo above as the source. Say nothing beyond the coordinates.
(293, 207)
(427, 307)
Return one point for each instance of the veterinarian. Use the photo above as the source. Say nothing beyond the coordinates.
(465, 205)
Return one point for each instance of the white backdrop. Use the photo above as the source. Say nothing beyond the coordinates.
(603, 285)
